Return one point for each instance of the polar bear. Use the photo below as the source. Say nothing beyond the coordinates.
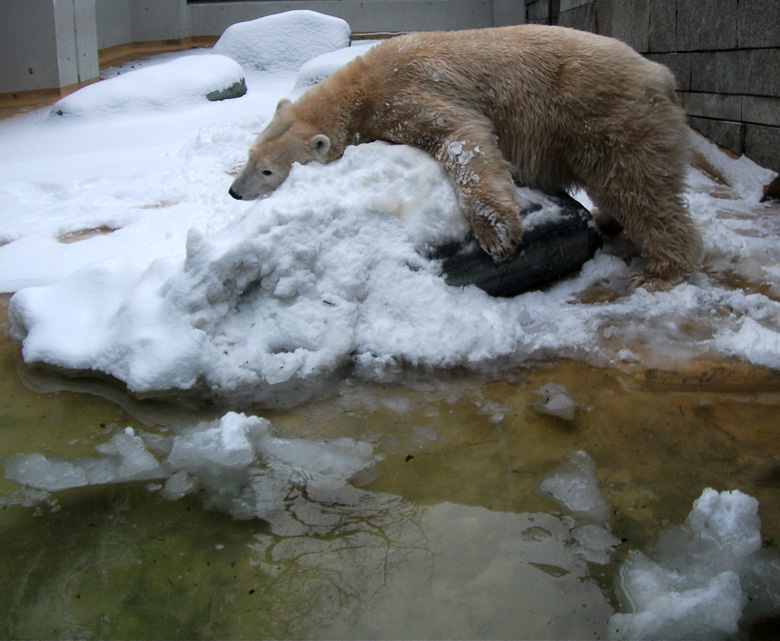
(547, 107)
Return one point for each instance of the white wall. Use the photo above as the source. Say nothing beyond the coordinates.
(46, 44)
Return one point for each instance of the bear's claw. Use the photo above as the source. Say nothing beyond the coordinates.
(498, 238)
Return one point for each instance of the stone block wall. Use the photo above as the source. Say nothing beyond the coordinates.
(724, 53)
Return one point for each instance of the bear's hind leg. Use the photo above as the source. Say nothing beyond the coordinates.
(662, 227)
(483, 181)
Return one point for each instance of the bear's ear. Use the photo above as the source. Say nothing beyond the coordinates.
(319, 145)
(282, 104)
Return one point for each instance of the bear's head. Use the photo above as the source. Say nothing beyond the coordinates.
(286, 140)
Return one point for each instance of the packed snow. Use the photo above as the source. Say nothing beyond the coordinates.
(317, 69)
(284, 41)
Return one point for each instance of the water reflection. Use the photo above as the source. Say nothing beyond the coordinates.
(114, 562)
(450, 540)
(391, 569)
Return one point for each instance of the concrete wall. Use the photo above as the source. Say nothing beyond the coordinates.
(123, 21)
(724, 53)
(47, 43)
(364, 16)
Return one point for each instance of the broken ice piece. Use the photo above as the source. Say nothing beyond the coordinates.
(574, 487)
(179, 484)
(555, 400)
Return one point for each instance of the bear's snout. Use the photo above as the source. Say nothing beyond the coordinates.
(235, 194)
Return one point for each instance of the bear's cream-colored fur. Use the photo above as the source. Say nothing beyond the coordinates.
(547, 107)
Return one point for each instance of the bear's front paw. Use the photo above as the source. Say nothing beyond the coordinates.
(498, 235)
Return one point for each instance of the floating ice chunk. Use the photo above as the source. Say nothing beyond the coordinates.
(178, 485)
(283, 41)
(124, 459)
(555, 400)
(229, 443)
(399, 403)
(574, 487)
(667, 609)
(336, 460)
(133, 461)
(239, 465)
(183, 81)
(596, 543)
(704, 579)
(44, 473)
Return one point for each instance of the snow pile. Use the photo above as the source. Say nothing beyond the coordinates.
(316, 70)
(242, 468)
(311, 275)
(704, 577)
(180, 82)
(329, 274)
(284, 41)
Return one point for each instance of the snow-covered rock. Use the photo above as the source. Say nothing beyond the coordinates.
(284, 41)
(317, 69)
(180, 82)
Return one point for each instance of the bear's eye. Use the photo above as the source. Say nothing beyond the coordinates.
(267, 172)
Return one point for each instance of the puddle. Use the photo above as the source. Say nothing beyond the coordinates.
(84, 234)
(452, 539)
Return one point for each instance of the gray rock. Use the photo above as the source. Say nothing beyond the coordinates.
(560, 236)
(236, 90)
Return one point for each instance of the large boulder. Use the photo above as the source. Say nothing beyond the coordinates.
(283, 42)
(560, 235)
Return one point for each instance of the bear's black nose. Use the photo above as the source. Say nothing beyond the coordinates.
(234, 194)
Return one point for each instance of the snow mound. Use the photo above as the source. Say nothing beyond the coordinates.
(284, 41)
(330, 272)
(704, 577)
(317, 69)
(289, 292)
(183, 81)
(241, 467)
